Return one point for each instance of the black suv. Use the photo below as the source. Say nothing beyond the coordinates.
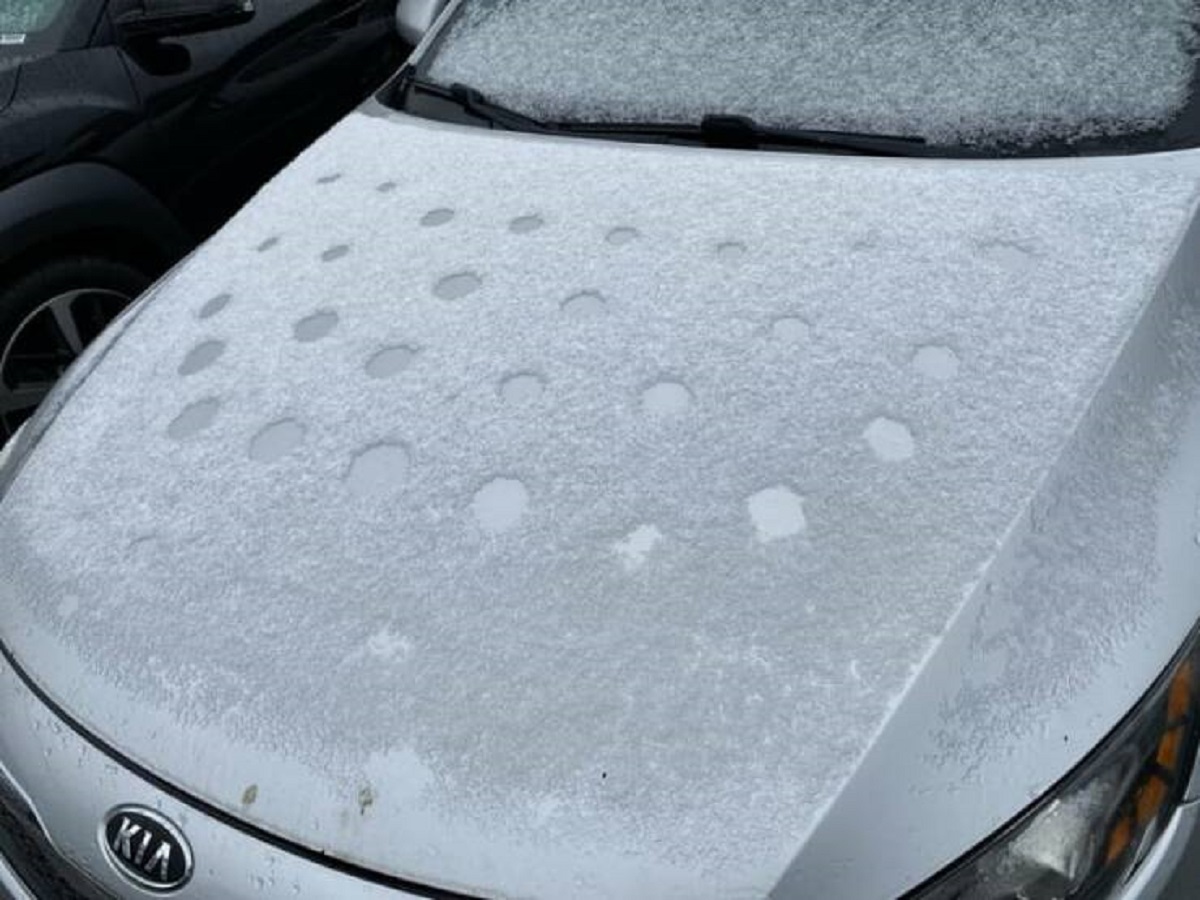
(131, 129)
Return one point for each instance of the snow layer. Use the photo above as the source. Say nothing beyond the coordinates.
(631, 625)
(951, 70)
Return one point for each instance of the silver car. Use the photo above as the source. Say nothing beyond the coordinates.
(653, 450)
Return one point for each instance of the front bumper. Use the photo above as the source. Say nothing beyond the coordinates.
(56, 788)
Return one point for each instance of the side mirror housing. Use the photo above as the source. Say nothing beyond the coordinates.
(415, 17)
(176, 18)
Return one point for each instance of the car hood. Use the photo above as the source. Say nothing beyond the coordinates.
(540, 518)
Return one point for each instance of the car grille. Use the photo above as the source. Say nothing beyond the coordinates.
(25, 846)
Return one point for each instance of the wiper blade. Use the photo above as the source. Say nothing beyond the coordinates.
(743, 133)
(729, 132)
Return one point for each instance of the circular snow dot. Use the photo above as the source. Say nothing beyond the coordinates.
(267, 244)
(436, 217)
(731, 250)
(522, 388)
(585, 305)
(890, 440)
(276, 441)
(201, 357)
(526, 224)
(335, 252)
(1013, 254)
(330, 178)
(386, 187)
(314, 327)
(618, 237)
(457, 286)
(194, 419)
(377, 470)
(777, 513)
(790, 330)
(214, 306)
(390, 362)
(667, 398)
(500, 504)
(635, 548)
(937, 362)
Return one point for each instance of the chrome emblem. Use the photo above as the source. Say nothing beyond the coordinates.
(146, 848)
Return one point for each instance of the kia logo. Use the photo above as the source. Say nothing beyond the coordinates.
(146, 848)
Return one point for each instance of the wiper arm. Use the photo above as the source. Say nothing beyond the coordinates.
(743, 133)
(472, 102)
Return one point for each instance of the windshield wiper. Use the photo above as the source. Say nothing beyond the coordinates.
(475, 104)
(726, 132)
(743, 133)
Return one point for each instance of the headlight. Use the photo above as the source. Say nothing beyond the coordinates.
(1086, 838)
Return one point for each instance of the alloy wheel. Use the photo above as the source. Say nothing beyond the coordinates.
(45, 344)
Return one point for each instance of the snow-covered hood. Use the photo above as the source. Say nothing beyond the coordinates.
(543, 518)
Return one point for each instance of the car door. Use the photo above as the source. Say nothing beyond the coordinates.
(231, 107)
(63, 96)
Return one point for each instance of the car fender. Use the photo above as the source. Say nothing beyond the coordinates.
(85, 197)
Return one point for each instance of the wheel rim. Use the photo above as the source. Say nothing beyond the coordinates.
(45, 344)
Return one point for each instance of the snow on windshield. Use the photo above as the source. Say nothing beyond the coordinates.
(954, 71)
(25, 16)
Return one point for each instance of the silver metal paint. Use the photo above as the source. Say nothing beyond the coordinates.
(67, 796)
(871, 815)
(72, 787)
(1158, 878)
(944, 753)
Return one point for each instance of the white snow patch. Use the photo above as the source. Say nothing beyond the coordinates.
(666, 398)
(389, 645)
(500, 505)
(937, 362)
(1021, 71)
(635, 548)
(777, 513)
(791, 330)
(890, 440)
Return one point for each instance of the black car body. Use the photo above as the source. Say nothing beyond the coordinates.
(131, 129)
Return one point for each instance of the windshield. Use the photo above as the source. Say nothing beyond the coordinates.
(19, 18)
(994, 77)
